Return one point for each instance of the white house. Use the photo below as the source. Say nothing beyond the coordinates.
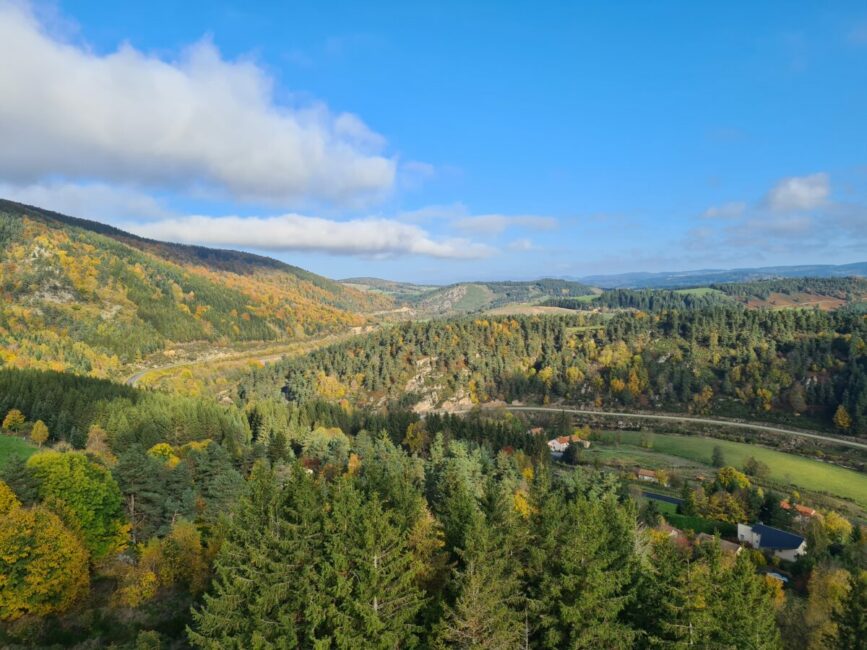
(558, 445)
(784, 545)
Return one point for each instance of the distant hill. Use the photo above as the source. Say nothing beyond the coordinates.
(675, 279)
(399, 291)
(82, 296)
(470, 297)
(780, 293)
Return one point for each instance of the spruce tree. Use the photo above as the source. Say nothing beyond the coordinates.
(370, 575)
(582, 573)
(267, 590)
(851, 620)
(743, 607)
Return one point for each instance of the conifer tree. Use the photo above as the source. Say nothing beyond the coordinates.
(267, 590)
(371, 574)
(486, 611)
(743, 607)
(583, 571)
(851, 620)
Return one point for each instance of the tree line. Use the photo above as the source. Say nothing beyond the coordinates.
(785, 362)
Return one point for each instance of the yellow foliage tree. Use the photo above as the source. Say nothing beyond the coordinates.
(39, 433)
(522, 504)
(842, 419)
(8, 500)
(183, 557)
(14, 420)
(43, 566)
(546, 376)
(97, 444)
(166, 453)
(827, 589)
(416, 437)
(839, 528)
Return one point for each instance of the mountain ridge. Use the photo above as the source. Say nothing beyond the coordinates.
(91, 298)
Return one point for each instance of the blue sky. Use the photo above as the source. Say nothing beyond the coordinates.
(449, 141)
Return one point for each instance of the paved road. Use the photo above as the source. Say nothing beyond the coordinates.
(681, 418)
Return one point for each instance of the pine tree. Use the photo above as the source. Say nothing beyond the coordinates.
(743, 607)
(267, 590)
(370, 574)
(673, 608)
(582, 572)
(485, 613)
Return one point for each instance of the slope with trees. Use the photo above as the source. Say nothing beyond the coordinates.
(88, 298)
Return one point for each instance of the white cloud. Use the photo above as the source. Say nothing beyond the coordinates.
(493, 224)
(200, 121)
(731, 210)
(91, 200)
(374, 237)
(800, 192)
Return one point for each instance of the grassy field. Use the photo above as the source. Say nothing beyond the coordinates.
(14, 447)
(786, 469)
(527, 309)
(699, 291)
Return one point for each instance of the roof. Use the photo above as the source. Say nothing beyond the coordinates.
(804, 511)
(646, 472)
(563, 440)
(775, 538)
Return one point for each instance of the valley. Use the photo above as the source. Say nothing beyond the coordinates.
(192, 386)
(433, 326)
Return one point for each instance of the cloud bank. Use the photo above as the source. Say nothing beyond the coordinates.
(200, 121)
(373, 237)
(797, 213)
(800, 193)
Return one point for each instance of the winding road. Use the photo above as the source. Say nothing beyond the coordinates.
(681, 418)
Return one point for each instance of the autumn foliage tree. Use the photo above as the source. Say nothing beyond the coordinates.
(85, 495)
(14, 420)
(39, 433)
(43, 566)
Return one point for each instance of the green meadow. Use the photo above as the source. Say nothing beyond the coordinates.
(785, 468)
(14, 447)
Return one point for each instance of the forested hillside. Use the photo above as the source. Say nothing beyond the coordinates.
(470, 297)
(673, 279)
(88, 298)
(308, 523)
(822, 293)
(791, 361)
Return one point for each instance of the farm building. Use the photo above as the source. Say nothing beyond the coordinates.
(802, 513)
(647, 475)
